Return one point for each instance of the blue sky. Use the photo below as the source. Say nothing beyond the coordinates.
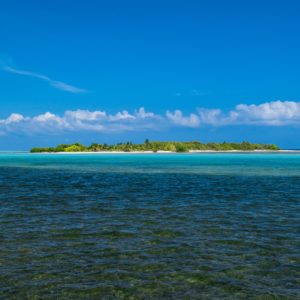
(202, 70)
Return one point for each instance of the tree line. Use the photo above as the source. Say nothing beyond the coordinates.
(157, 146)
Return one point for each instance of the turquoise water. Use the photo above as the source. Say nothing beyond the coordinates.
(149, 226)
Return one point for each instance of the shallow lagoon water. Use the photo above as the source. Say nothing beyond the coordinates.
(150, 226)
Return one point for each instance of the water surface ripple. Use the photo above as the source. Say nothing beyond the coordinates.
(170, 226)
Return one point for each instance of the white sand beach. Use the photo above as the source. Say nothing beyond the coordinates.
(169, 152)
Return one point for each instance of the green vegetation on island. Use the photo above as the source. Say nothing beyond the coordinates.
(158, 146)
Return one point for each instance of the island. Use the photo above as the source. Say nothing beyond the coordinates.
(158, 146)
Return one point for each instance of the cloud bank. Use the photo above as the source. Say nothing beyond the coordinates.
(276, 113)
(54, 83)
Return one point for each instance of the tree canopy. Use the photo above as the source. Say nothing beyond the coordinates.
(158, 146)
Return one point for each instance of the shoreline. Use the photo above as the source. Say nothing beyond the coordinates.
(172, 152)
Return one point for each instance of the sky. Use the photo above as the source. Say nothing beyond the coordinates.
(117, 71)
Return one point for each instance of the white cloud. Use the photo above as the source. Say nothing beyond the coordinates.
(269, 113)
(66, 87)
(85, 115)
(141, 113)
(276, 113)
(13, 118)
(47, 117)
(122, 115)
(209, 116)
(177, 118)
(80, 120)
(54, 83)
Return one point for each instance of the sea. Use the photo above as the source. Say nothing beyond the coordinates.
(150, 226)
